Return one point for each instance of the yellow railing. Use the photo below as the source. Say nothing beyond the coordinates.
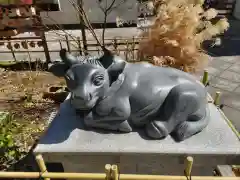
(111, 173)
(216, 101)
(95, 176)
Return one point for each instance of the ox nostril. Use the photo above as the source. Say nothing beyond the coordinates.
(87, 97)
(80, 98)
(90, 96)
(77, 97)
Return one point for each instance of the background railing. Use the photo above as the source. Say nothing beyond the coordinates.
(33, 49)
(126, 47)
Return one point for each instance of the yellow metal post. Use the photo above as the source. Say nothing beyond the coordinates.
(108, 171)
(217, 98)
(41, 164)
(189, 163)
(205, 77)
(96, 176)
(115, 173)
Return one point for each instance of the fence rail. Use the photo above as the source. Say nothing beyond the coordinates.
(120, 45)
(102, 176)
(111, 173)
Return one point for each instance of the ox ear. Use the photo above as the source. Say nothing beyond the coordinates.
(114, 65)
(116, 68)
(59, 69)
(107, 59)
(67, 58)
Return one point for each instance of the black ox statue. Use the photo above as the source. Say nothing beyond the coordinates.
(117, 95)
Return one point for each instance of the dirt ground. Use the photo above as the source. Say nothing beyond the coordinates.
(21, 95)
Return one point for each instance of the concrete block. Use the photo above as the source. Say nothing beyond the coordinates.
(87, 150)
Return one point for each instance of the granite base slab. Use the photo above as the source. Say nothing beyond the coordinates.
(67, 141)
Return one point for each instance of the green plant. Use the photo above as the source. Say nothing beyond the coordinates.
(9, 152)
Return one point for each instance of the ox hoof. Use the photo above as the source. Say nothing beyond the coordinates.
(155, 131)
(125, 127)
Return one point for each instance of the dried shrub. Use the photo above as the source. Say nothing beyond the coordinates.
(178, 31)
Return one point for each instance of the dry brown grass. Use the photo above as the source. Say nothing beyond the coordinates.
(21, 95)
(177, 34)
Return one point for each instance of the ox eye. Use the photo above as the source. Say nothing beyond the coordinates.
(98, 79)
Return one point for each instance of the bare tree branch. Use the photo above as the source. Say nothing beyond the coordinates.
(111, 5)
(61, 35)
(59, 28)
(87, 23)
(119, 4)
(62, 29)
(106, 11)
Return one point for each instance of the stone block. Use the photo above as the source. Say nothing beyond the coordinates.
(229, 59)
(219, 64)
(237, 90)
(87, 150)
(223, 84)
(235, 68)
(232, 76)
(233, 115)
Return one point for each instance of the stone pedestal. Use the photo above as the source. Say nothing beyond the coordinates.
(66, 141)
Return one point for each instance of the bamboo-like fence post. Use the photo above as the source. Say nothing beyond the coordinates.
(217, 98)
(189, 164)
(101, 176)
(41, 164)
(205, 77)
(115, 175)
(108, 171)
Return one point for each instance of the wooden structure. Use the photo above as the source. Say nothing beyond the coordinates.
(20, 18)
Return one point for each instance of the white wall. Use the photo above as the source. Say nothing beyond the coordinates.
(68, 15)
